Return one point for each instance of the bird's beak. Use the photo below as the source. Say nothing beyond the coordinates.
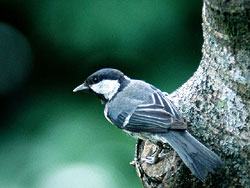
(82, 87)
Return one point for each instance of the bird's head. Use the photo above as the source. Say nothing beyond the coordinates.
(105, 83)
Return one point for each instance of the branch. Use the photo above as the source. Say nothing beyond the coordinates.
(215, 101)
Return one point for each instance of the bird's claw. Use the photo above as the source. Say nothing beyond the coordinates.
(154, 159)
(150, 160)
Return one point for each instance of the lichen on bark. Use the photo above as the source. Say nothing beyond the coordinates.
(215, 101)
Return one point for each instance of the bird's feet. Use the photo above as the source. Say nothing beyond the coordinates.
(159, 155)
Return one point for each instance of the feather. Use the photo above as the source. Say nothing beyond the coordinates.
(156, 117)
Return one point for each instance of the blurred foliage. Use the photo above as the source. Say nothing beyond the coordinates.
(51, 137)
(15, 58)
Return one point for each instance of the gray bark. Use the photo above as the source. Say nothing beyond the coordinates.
(215, 101)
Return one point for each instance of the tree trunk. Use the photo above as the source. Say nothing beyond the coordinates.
(215, 101)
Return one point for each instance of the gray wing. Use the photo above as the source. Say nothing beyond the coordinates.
(156, 117)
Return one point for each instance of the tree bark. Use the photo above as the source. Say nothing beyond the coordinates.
(215, 101)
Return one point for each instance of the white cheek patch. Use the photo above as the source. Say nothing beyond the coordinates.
(108, 88)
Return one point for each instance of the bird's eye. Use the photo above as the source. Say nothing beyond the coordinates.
(95, 79)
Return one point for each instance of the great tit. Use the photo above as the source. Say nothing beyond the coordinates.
(146, 113)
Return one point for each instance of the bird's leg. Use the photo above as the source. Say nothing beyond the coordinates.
(165, 150)
(157, 157)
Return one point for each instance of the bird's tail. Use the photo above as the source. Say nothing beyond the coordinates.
(199, 159)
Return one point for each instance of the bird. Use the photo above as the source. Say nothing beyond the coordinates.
(145, 112)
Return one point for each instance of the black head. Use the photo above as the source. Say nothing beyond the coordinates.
(105, 74)
(105, 83)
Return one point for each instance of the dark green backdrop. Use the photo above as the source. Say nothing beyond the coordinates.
(53, 138)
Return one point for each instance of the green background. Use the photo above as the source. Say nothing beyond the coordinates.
(53, 138)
